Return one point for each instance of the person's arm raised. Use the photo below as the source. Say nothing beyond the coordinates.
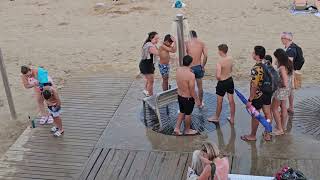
(153, 50)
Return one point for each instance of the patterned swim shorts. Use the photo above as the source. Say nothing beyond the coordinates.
(164, 70)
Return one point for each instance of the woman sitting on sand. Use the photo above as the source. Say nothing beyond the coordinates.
(285, 68)
(149, 51)
(206, 164)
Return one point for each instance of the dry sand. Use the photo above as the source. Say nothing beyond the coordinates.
(70, 37)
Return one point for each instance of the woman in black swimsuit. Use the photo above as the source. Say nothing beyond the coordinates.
(149, 51)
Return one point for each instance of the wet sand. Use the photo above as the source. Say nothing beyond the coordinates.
(69, 37)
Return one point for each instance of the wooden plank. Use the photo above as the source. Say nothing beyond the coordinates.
(90, 163)
(127, 165)
(188, 164)
(157, 165)
(180, 170)
(109, 165)
(149, 166)
(120, 164)
(138, 165)
(106, 154)
(169, 167)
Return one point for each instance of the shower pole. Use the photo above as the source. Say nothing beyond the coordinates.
(180, 35)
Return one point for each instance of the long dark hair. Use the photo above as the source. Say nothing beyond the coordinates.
(283, 60)
(151, 35)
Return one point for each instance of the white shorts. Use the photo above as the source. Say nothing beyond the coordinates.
(55, 111)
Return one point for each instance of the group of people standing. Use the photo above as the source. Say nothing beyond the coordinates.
(288, 60)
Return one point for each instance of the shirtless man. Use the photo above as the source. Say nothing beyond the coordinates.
(186, 96)
(225, 84)
(54, 107)
(169, 45)
(196, 49)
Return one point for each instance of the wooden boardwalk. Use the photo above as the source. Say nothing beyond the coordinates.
(88, 105)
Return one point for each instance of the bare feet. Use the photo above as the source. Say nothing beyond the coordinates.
(191, 132)
(248, 138)
(277, 132)
(202, 105)
(213, 119)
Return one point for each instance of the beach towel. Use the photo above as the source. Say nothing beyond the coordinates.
(42, 76)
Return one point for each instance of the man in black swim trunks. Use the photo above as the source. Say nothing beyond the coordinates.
(257, 98)
(225, 84)
(186, 96)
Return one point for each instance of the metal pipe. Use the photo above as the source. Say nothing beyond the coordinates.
(180, 37)
(7, 87)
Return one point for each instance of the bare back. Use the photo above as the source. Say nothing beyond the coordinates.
(195, 48)
(164, 55)
(185, 82)
(226, 65)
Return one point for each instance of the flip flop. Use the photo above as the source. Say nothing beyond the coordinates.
(277, 133)
(245, 138)
(229, 119)
(177, 133)
(192, 134)
(213, 120)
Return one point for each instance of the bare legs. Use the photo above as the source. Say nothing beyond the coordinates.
(188, 130)
(200, 91)
(277, 117)
(291, 97)
(165, 83)
(215, 118)
(149, 83)
(58, 123)
(40, 103)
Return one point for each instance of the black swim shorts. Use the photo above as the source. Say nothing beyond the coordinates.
(225, 86)
(265, 99)
(146, 66)
(186, 104)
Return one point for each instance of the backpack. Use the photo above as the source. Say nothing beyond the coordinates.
(270, 79)
(298, 61)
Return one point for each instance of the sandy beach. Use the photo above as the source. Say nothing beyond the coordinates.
(71, 37)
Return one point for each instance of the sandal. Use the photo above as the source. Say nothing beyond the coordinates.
(191, 133)
(50, 120)
(54, 129)
(213, 120)
(58, 133)
(43, 120)
(177, 133)
(245, 138)
(276, 132)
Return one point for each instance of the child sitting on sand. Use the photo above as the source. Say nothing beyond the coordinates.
(54, 107)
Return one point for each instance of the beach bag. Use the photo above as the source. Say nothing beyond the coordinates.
(270, 79)
(287, 173)
(298, 61)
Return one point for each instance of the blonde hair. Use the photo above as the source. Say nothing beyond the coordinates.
(196, 163)
(211, 149)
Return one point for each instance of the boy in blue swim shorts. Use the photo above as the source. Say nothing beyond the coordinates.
(168, 46)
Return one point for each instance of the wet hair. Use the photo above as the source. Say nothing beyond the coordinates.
(168, 38)
(223, 48)
(268, 58)
(211, 149)
(25, 69)
(187, 60)
(46, 94)
(283, 60)
(151, 35)
(260, 51)
(193, 34)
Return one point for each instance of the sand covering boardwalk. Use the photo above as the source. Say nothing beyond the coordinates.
(88, 105)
